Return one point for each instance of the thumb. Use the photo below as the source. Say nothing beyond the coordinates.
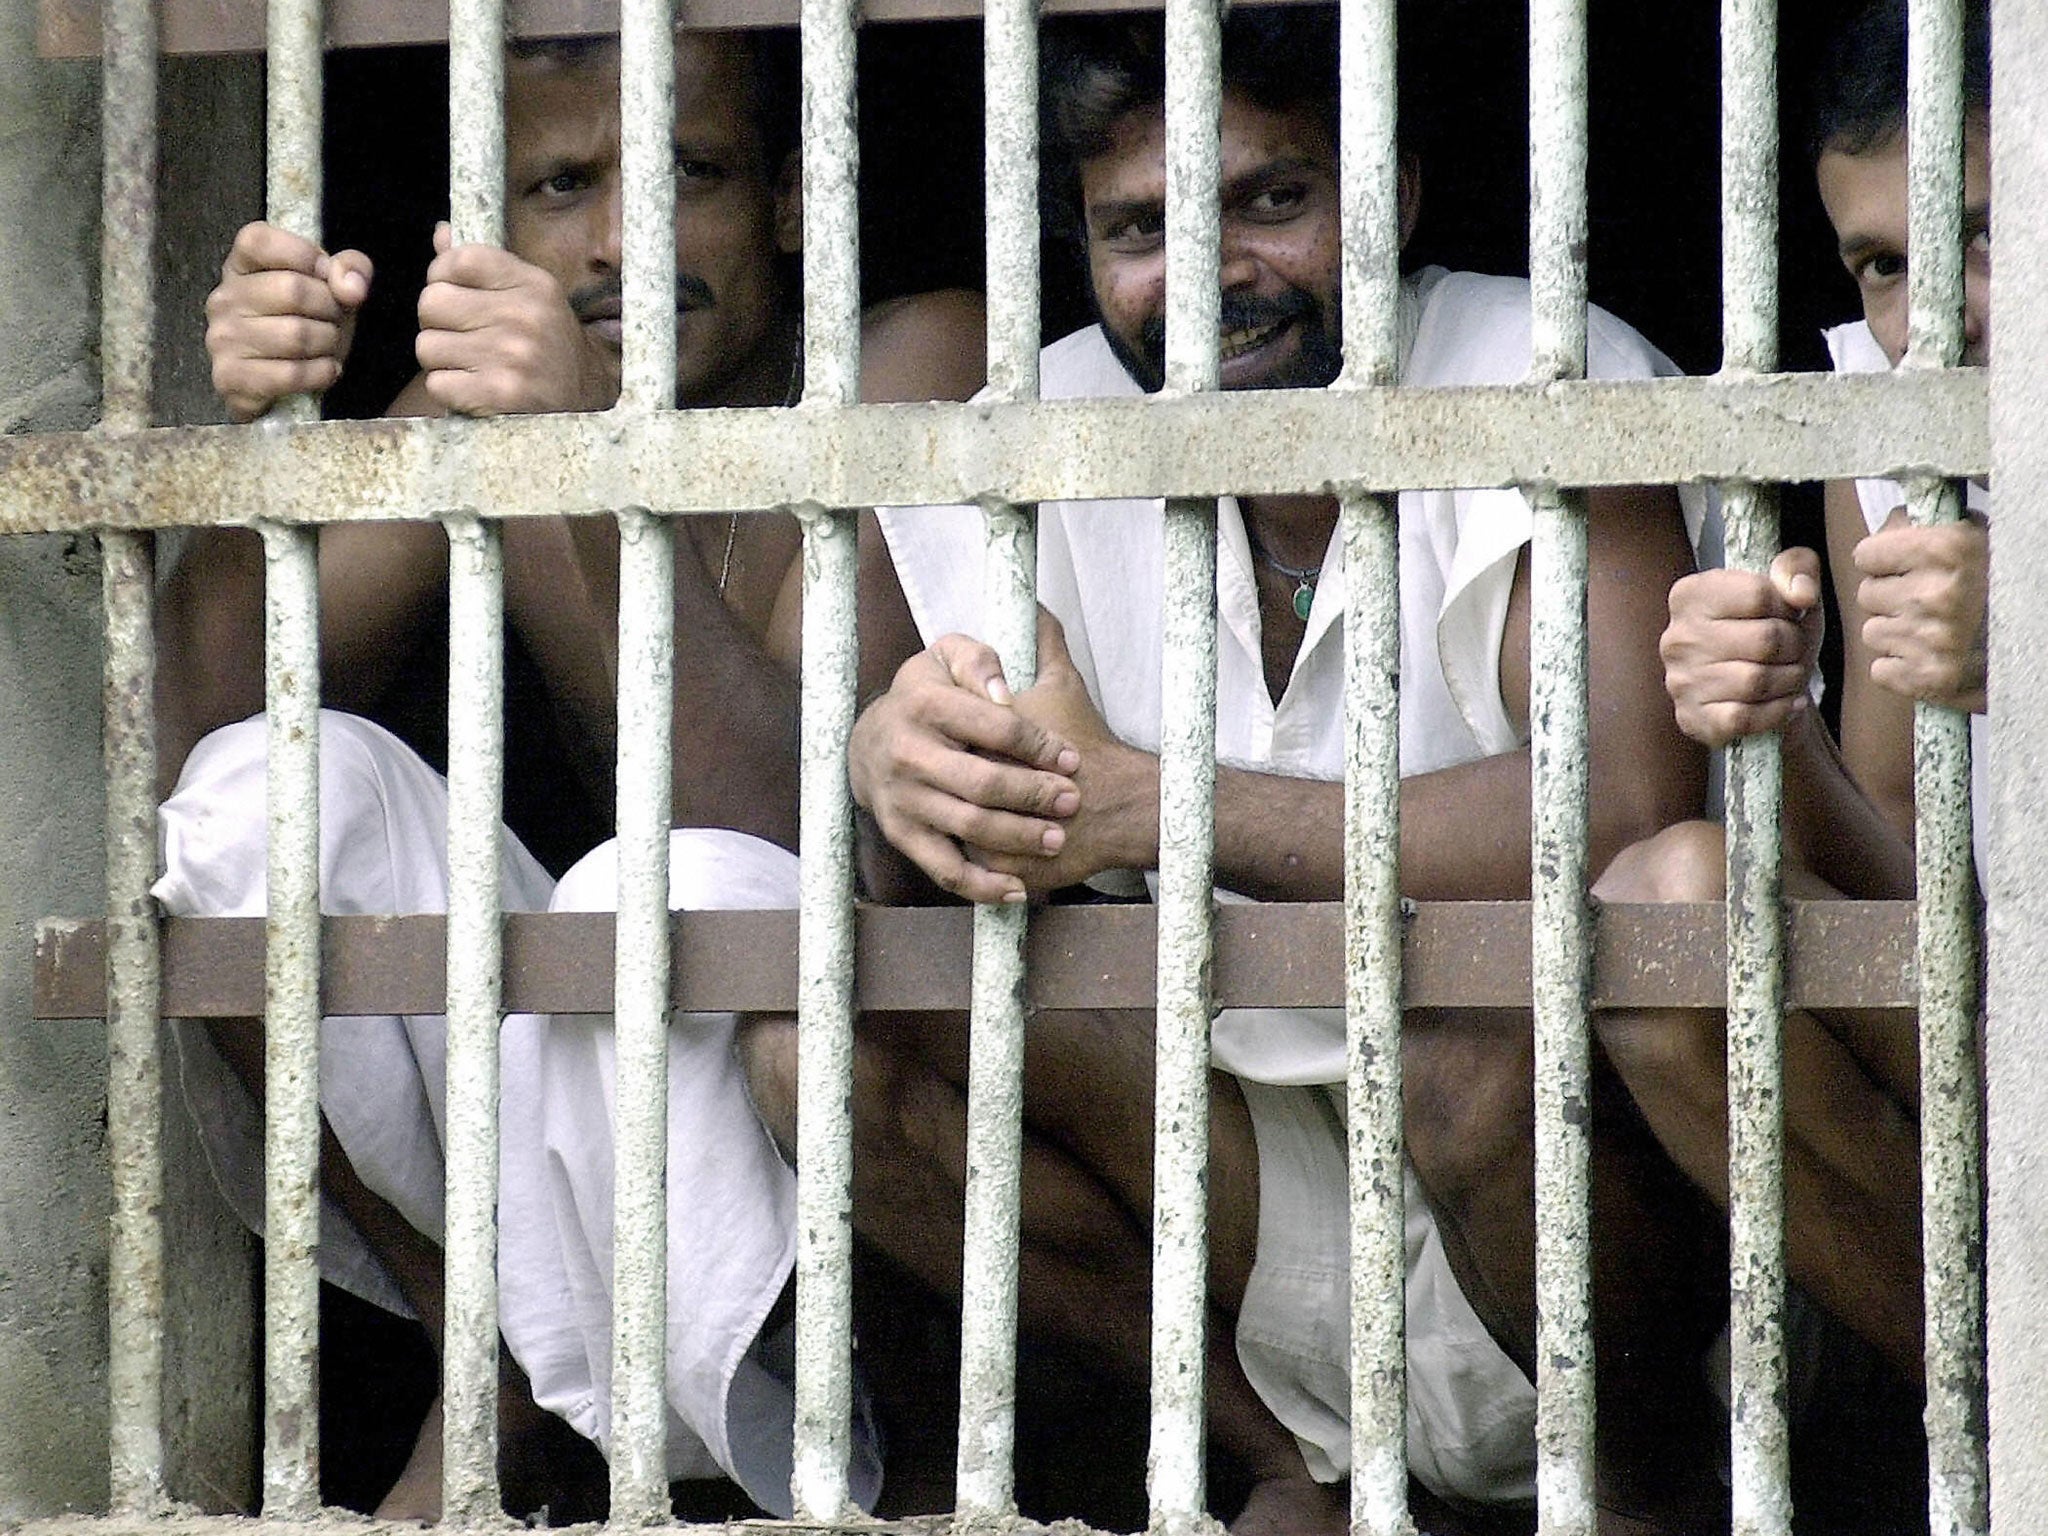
(444, 238)
(1899, 518)
(348, 275)
(973, 666)
(1052, 642)
(1795, 577)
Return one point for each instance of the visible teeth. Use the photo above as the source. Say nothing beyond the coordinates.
(1233, 343)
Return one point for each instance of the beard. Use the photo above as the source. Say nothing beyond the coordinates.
(1318, 356)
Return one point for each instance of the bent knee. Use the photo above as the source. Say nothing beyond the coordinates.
(1677, 1051)
(1687, 862)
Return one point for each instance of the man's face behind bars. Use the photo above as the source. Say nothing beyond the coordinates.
(1281, 326)
(735, 214)
(1866, 199)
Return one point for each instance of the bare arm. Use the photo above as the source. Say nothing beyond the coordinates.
(1465, 829)
(1282, 838)
(1739, 655)
(736, 687)
(1877, 724)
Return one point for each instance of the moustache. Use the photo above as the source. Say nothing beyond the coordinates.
(606, 298)
(1238, 312)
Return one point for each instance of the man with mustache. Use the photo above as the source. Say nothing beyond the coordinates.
(996, 796)
(535, 327)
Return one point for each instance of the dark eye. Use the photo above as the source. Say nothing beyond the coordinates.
(1278, 202)
(690, 168)
(1136, 232)
(1887, 266)
(559, 184)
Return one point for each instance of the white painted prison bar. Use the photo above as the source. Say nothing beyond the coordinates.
(1958, 1483)
(1759, 1465)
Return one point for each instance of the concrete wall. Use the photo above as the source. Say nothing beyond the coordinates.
(53, 1190)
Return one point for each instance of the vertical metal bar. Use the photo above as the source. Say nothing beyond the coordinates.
(1557, 187)
(476, 776)
(135, 1249)
(1760, 1466)
(647, 105)
(985, 1473)
(824, 1156)
(645, 768)
(1951, 1173)
(1187, 785)
(831, 670)
(291, 1007)
(639, 1258)
(1369, 153)
(2016, 1045)
(291, 633)
(1558, 821)
(831, 165)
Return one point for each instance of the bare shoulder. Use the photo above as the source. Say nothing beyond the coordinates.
(923, 346)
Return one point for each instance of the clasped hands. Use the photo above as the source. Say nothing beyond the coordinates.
(1002, 797)
(1741, 646)
(496, 334)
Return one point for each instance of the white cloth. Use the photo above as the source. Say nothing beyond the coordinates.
(1101, 572)
(1855, 350)
(731, 1211)
(383, 841)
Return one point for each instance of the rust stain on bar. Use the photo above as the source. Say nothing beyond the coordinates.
(1465, 954)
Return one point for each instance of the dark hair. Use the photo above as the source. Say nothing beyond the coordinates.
(774, 81)
(1094, 70)
(1859, 96)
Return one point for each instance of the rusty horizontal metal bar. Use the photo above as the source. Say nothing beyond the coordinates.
(1778, 427)
(71, 28)
(1842, 954)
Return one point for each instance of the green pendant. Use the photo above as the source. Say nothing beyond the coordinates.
(1304, 599)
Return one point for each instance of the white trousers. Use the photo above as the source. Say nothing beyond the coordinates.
(731, 1198)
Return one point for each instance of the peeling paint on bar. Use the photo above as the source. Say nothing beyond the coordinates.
(291, 1278)
(1951, 1173)
(1175, 1472)
(985, 1474)
(1759, 1456)
(1786, 427)
(135, 1239)
(1759, 1447)
(1372, 971)
(831, 168)
(1369, 151)
(995, 1087)
(1562, 956)
(1010, 189)
(135, 1258)
(647, 110)
(476, 775)
(824, 1153)
(291, 632)
(1558, 812)
(639, 1490)
(1557, 189)
(831, 672)
(1664, 431)
(639, 1453)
